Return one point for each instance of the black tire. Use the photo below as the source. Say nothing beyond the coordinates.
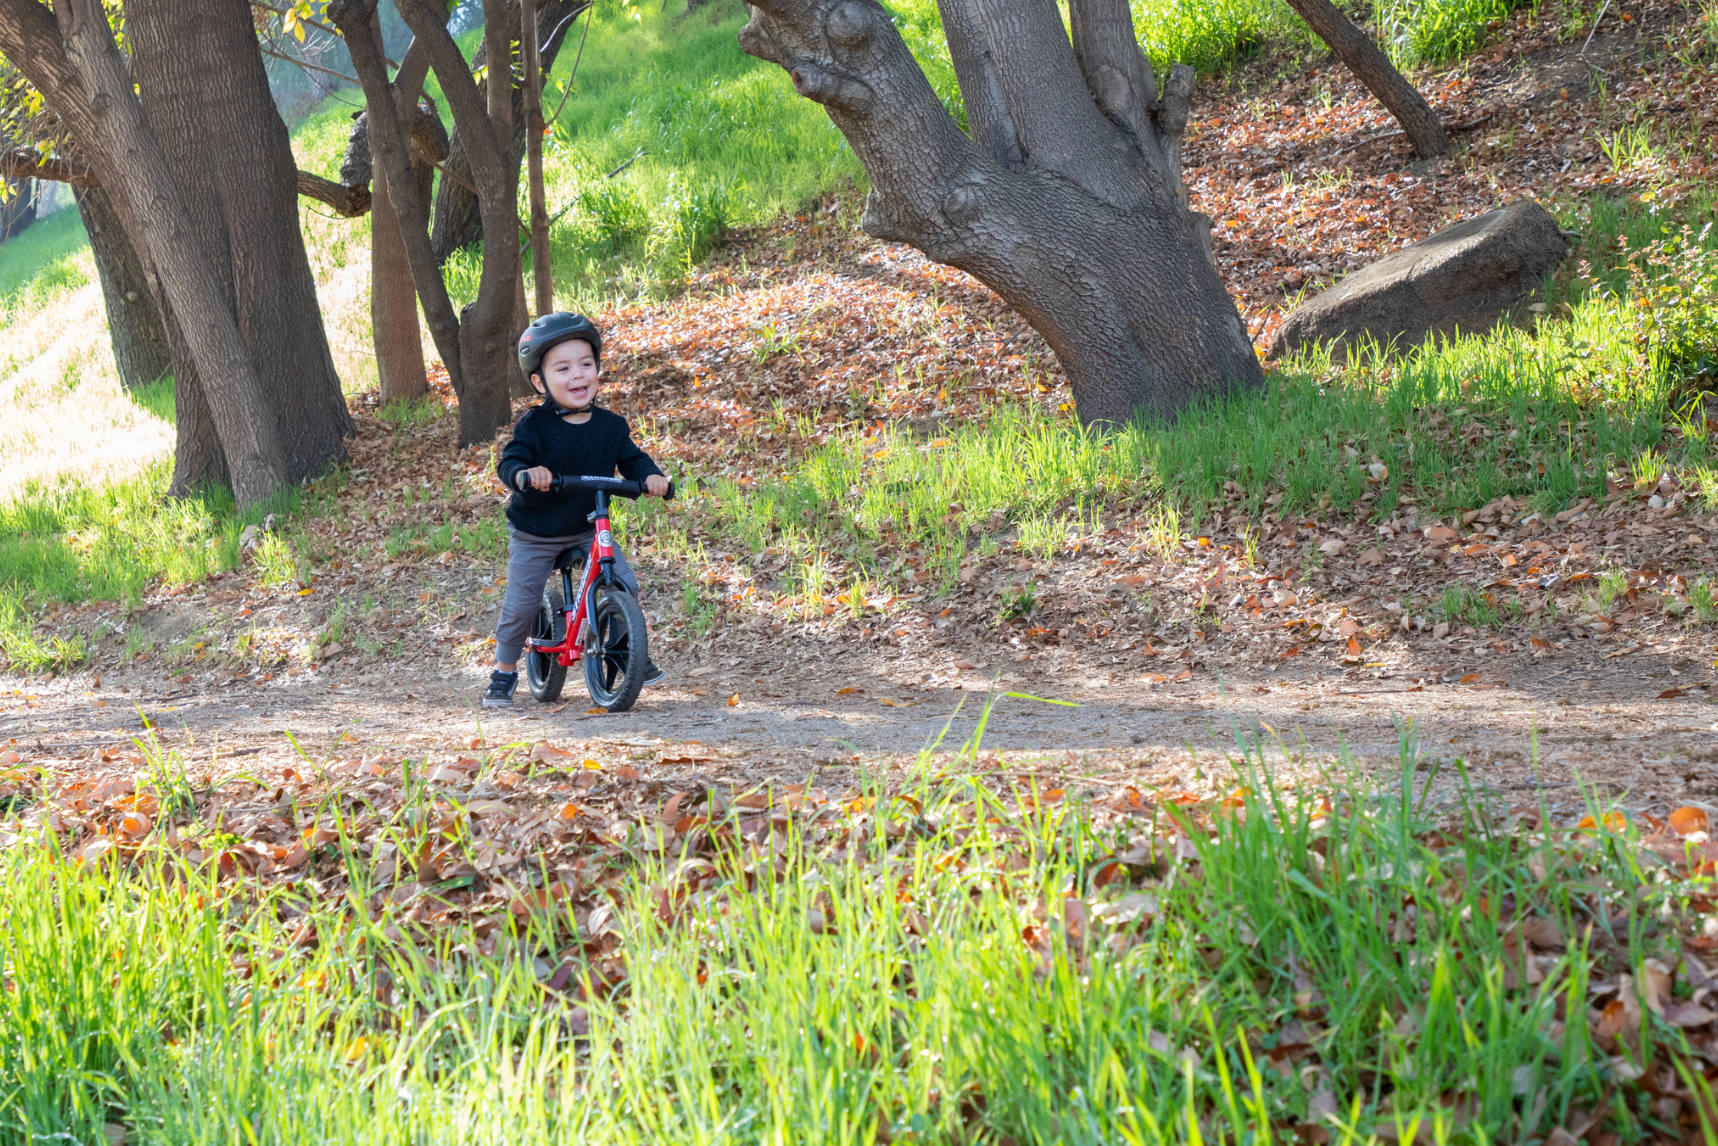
(616, 651)
(544, 673)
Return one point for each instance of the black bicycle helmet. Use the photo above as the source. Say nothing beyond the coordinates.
(552, 330)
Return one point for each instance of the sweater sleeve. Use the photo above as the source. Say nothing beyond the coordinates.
(520, 454)
(634, 464)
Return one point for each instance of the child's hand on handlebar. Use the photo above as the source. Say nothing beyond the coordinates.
(537, 477)
(656, 485)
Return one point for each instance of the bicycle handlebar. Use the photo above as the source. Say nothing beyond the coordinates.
(619, 487)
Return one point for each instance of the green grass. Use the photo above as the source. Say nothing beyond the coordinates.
(948, 960)
(710, 138)
(67, 542)
(159, 399)
(40, 263)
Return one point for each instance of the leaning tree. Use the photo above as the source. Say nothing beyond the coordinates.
(70, 56)
(1065, 198)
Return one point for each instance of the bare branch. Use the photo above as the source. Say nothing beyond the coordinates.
(28, 163)
(347, 201)
(332, 31)
(353, 80)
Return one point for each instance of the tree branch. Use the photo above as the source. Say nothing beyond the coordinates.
(308, 65)
(917, 156)
(987, 118)
(1425, 130)
(1117, 73)
(28, 163)
(389, 147)
(313, 23)
(1060, 128)
(464, 100)
(498, 73)
(349, 201)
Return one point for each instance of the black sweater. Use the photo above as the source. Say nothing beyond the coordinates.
(595, 449)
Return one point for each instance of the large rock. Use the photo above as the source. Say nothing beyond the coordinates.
(1466, 277)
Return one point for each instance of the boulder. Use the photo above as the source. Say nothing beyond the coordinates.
(1467, 277)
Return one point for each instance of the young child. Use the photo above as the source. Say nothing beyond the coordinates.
(567, 434)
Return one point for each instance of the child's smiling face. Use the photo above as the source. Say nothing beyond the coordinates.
(569, 371)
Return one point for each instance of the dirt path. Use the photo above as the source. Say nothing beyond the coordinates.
(831, 701)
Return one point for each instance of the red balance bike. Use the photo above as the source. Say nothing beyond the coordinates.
(602, 626)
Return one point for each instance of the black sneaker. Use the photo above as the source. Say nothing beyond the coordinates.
(652, 674)
(501, 686)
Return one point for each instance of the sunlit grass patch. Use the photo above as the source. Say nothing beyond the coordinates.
(39, 264)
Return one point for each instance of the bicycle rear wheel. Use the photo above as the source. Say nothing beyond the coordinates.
(544, 673)
(616, 651)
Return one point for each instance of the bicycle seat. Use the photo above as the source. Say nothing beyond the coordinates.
(572, 557)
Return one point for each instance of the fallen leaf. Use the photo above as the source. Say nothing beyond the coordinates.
(1612, 821)
(1671, 694)
(733, 701)
(845, 691)
(1373, 556)
(1687, 821)
(1688, 1015)
(548, 752)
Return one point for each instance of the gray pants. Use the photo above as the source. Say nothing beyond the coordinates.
(530, 560)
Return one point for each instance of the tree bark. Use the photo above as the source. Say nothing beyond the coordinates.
(1421, 124)
(543, 282)
(140, 346)
(476, 346)
(1066, 199)
(69, 55)
(396, 336)
(400, 371)
(458, 221)
(348, 200)
(206, 96)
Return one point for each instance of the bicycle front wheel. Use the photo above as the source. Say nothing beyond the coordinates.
(616, 650)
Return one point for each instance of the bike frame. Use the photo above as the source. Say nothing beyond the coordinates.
(599, 569)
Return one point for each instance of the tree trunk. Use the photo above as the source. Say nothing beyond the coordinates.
(393, 304)
(543, 282)
(70, 57)
(475, 346)
(199, 458)
(1373, 68)
(458, 221)
(1066, 199)
(140, 347)
(207, 100)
